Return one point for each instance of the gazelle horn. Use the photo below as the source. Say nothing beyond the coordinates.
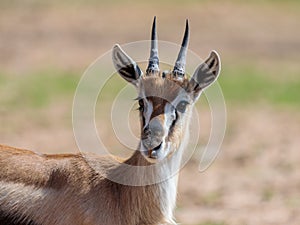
(179, 68)
(153, 65)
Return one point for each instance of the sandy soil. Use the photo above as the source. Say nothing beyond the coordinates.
(255, 179)
(71, 37)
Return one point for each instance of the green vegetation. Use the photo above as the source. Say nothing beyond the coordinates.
(252, 85)
(267, 194)
(211, 199)
(240, 85)
(37, 89)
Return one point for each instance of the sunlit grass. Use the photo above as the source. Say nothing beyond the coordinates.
(250, 85)
(37, 89)
(240, 85)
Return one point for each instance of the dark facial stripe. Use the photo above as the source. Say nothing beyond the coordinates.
(158, 106)
(143, 120)
(14, 219)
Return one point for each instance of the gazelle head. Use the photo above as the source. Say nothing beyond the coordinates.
(165, 98)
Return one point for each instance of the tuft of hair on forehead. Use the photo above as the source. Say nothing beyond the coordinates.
(165, 86)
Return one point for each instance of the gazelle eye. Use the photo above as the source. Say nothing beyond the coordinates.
(181, 106)
(141, 105)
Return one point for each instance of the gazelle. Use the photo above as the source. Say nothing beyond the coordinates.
(77, 189)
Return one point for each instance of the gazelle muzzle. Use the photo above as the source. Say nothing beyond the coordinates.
(153, 137)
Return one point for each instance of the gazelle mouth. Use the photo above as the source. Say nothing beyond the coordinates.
(157, 147)
(153, 153)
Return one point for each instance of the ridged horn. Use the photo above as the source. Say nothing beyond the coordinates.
(153, 65)
(179, 68)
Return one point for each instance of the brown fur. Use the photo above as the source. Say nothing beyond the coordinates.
(167, 87)
(74, 190)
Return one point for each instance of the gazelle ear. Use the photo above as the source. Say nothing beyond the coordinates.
(205, 74)
(126, 67)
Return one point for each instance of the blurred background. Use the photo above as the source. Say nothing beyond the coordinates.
(45, 46)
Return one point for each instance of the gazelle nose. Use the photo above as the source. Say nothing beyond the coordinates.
(151, 143)
(156, 128)
(153, 134)
(153, 129)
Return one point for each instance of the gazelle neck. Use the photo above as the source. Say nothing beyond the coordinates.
(166, 174)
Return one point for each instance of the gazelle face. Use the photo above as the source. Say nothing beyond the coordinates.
(165, 100)
(164, 106)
